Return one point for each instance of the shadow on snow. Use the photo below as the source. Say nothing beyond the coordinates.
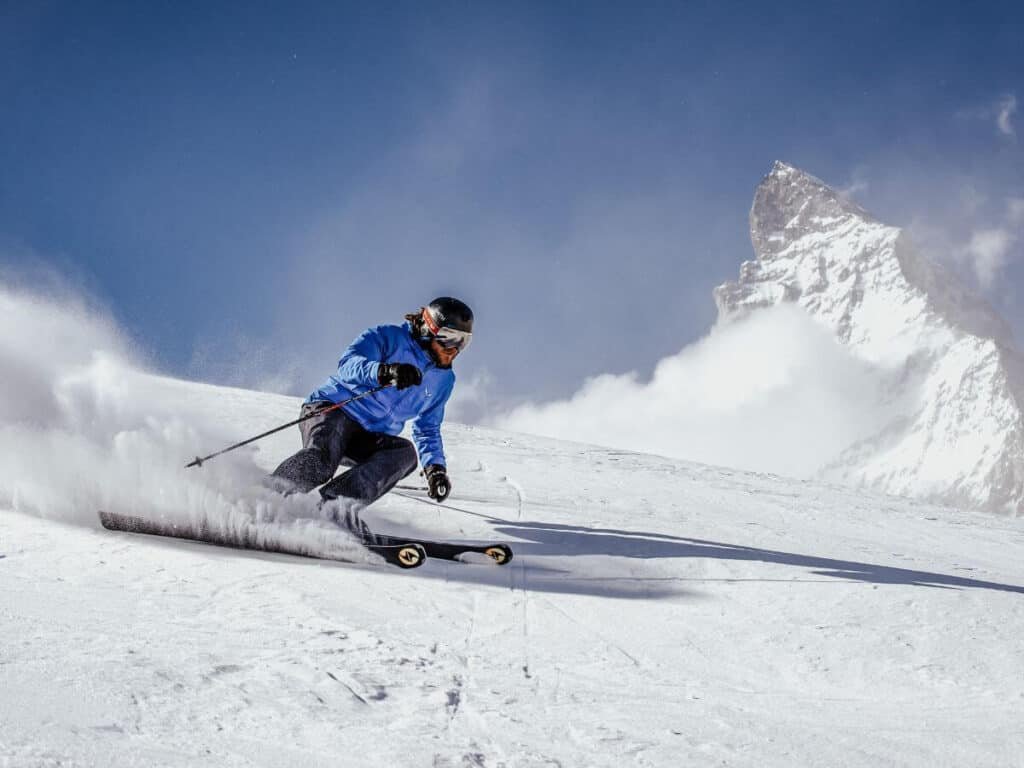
(541, 539)
(549, 539)
(615, 579)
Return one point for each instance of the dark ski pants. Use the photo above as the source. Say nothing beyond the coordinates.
(378, 461)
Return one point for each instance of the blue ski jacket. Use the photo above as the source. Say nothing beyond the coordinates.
(388, 410)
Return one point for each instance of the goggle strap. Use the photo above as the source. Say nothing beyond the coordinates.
(449, 336)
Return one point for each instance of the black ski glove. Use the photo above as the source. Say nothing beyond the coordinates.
(402, 375)
(437, 479)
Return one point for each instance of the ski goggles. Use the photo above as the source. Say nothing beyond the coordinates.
(449, 338)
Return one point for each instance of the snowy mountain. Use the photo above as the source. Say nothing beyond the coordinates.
(951, 381)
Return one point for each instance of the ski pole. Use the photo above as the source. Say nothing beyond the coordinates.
(198, 462)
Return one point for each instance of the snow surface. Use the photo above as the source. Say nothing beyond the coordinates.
(657, 613)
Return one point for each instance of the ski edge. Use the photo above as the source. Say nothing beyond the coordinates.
(401, 553)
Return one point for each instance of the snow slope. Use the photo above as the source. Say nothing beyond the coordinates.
(658, 613)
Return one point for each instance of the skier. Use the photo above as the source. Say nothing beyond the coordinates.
(414, 362)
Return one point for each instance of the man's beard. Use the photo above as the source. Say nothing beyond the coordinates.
(428, 347)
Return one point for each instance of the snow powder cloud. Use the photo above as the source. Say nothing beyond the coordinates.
(83, 427)
(774, 392)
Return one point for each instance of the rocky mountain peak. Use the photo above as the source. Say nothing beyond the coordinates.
(863, 278)
(789, 202)
(950, 379)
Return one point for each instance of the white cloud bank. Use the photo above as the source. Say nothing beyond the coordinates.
(775, 392)
(988, 253)
(1005, 111)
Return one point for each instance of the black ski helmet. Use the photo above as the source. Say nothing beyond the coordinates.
(447, 312)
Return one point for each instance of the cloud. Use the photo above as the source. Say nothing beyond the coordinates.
(972, 199)
(975, 234)
(987, 250)
(987, 253)
(857, 185)
(775, 392)
(1005, 111)
(1015, 211)
(1002, 111)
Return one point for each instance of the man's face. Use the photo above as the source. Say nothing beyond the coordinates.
(444, 356)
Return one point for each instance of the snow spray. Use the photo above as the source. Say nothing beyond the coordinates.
(84, 427)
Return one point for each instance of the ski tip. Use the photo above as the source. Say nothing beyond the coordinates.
(497, 554)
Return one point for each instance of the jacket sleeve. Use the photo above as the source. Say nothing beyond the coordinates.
(426, 432)
(360, 363)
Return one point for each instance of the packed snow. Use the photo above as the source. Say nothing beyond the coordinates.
(657, 612)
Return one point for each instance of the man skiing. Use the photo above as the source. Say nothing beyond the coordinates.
(414, 362)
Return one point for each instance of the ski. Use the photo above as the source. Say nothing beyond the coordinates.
(404, 554)
(499, 554)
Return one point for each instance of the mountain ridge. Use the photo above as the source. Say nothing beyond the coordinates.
(948, 365)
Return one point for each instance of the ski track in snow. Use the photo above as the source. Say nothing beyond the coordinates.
(657, 613)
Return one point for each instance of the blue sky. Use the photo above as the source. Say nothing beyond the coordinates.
(246, 186)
